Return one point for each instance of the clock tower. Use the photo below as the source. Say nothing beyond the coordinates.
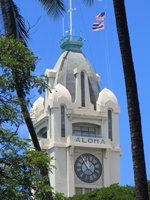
(77, 124)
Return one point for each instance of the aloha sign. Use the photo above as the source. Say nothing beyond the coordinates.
(89, 140)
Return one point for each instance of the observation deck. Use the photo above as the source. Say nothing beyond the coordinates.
(71, 43)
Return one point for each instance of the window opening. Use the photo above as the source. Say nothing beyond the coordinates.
(43, 133)
(62, 121)
(82, 190)
(110, 124)
(82, 89)
(86, 130)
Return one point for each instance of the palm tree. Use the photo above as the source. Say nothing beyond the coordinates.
(132, 101)
(14, 25)
(56, 7)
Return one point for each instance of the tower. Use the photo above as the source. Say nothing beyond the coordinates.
(77, 124)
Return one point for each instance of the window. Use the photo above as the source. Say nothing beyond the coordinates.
(93, 98)
(50, 122)
(82, 89)
(82, 190)
(43, 133)
(86, 190)
(62, 121)
(78, 190)
(110, 124)
(86, 130)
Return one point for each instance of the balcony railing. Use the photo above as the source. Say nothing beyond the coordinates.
(71, 42)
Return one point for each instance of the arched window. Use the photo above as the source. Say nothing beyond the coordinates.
(82, 89)
(110, 124)
(62, 121)
(43, 133)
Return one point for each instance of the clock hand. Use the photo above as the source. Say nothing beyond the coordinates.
(88, 163)
(85, 162)
(90, 170)
(91, 166)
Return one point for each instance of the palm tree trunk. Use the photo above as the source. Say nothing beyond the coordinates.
(28, 121)
(133, 102)
(27, 117)
(20, 93)
(9, 25)
(5, 17)
(21, 97)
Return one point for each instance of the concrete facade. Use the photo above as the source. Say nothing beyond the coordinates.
(70, 124)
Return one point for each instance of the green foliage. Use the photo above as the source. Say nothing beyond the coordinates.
(14, 23)
(16, 62)
(53, 8)
(59, 196)
(88, 2)
(20, 168)
(114, 192)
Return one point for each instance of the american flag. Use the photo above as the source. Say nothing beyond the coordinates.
(98, 26)
(100, 16)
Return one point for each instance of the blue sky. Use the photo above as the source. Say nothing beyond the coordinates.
(102, 50)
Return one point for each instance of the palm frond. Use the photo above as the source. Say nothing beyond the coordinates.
(53, 7)
(13, 20)
(88, 2)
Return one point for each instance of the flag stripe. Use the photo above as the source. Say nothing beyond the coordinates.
(98, 26)
(100, 16)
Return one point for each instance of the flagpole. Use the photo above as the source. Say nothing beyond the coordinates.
(70, 10)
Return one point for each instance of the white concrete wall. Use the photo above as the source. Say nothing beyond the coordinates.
(106, 167)
(63, 178)
(52, 175)
(70, 172)
(56, 124)
(114, 167)
(115, 129)
(61, 170)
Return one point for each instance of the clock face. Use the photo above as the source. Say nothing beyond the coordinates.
(88, 168)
